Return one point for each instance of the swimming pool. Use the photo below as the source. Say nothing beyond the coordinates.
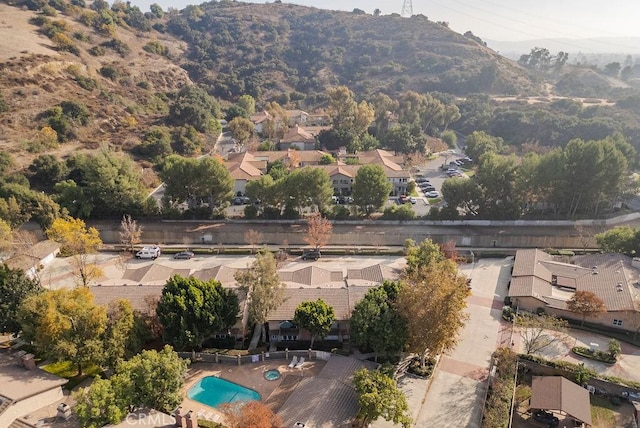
(214, 391)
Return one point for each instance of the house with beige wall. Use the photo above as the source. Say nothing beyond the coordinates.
(540, 280)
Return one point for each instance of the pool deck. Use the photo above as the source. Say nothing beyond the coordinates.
(274, 393)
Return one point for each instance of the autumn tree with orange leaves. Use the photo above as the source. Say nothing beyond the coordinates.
(586, 304)
(252, 414)
(319, 231)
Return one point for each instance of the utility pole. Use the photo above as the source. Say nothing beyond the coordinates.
(407, 9)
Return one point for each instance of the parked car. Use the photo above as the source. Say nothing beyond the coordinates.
(428, 189)
(432, 194)
(546, 417)
(148, 253)
(422, 180)
(186, 255)
(240, 200)
(311, 255)
(412, 200)
(403, 199)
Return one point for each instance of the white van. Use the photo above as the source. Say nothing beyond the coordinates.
(148, 253)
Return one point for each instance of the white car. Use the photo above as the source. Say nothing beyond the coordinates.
(432, 194)
(412, 200)
(148, 253)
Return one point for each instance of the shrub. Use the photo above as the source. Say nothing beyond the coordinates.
(156, 47)
(109, 73)
(64, 43)
(597, 355)
(399, 212)
(118, 46)
(3, 105)
(97, 51)
(508, 313)
(86, 83)
(416, 368)
(49, 11)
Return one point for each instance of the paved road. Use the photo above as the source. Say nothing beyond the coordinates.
(457, 391)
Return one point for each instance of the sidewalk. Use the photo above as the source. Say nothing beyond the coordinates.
(627, 366)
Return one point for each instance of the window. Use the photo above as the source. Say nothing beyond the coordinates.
(274, 337)
(617, 322)
(289, 337)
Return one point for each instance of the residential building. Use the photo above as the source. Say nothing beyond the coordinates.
(297, 137)
(540, 280)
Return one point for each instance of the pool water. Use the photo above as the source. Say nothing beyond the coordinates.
(214, 391)
(272, 374)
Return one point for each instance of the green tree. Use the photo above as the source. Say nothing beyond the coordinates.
(496, 176)
(316, 317)
(371, 188)
(479, 143)
(424, 254)
(100, 404)
(65, 325)
(46, 170)
(235, 111)
(108, 185)
(376, 323)
(308, 187)
(15, 288)
(347, 115)
(192, 310)
(405, 138)
(196, 182)
(156, 144)
(265, 290)
(379, 396)
(586, 303)
(78, 242)
(152, 379)
(620, 239)
(194, 106)
(241, 130)
(124, 333)
(248, 103)
(462, 193)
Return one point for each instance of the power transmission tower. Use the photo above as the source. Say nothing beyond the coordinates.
(407, 9)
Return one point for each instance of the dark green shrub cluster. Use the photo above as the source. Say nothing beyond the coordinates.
(86, 83)
(416, 368)
(595, 354)
(156, 47)
(399, 212)
(118, 46)
(109, 72)
(498, 403)
(3, 105)
(97, 51)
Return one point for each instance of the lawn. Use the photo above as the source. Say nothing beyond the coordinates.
(603, 413)
(68, 370)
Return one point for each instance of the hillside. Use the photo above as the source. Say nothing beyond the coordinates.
(37, 75)
(264, 49)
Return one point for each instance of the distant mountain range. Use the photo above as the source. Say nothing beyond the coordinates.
(599, 45)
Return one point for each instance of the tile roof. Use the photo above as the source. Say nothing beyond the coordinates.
(559, 394)
(137, 295)
(297, 134)
(611, 277)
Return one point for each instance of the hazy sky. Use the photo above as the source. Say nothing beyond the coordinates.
(510, 20)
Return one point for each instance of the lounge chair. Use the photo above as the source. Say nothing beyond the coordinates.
(300, 363)
(294, 362)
